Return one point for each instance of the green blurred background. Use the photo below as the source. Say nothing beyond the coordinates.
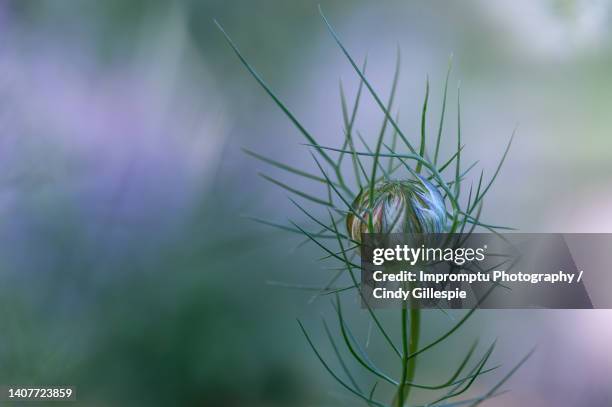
(127, 268)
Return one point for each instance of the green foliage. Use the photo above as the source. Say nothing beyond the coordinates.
(344, 181)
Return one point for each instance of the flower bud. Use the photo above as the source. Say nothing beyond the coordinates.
(408, 207)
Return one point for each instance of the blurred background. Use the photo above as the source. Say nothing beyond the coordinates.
(127, 267)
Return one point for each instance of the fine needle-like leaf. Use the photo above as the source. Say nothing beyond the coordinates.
(350, 267)
(358, 168)
(348, 249)
(270, 93)
(366, 82)
(474, 221)
(471, 207)
(467, 401)
(505, 378)
(306, 240)
(321, 245)
(450, 62)
(358, 354)
(297, 192)
(284, 227)
(469, 384)
(333, 374)
(456, 326)
(383, 128)
(501, 162)
(458, 162)
(465, 218)
(462, 364)
(283, 166)
(373, 390)
(343, 365)
(450, 160)
(317, 221)
(471, 372)
(415, 157)
(325, 289)
(301, 287)
(423, 125)
(342, 198)
(369, 150)
(349, 122)
(393, 147)
(340, 290)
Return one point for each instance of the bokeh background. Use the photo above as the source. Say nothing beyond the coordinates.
(127, 268)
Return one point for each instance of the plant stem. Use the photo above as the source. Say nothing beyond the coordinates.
(415, 325)
(398, 400)
(410, 345)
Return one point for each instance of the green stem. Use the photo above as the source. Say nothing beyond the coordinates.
(398, 400)
(410, 343)
(415, 325)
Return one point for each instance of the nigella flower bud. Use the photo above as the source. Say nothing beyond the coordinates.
(409, 207)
